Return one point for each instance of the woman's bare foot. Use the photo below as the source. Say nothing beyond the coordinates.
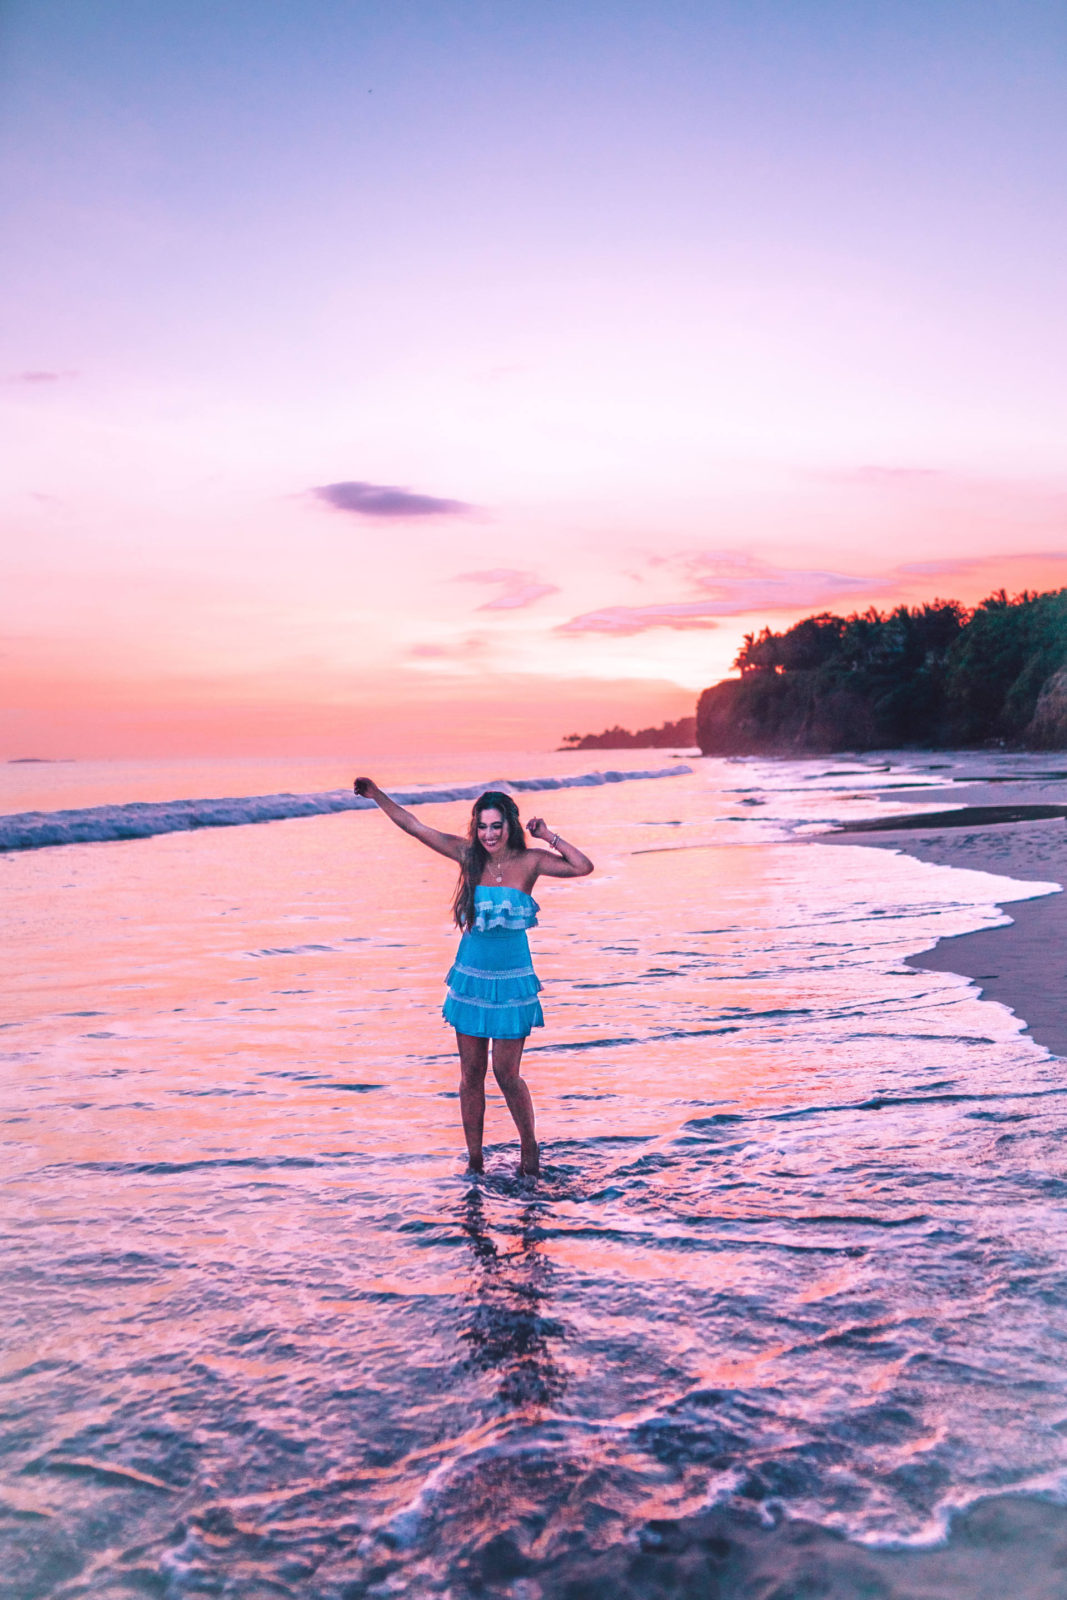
(530, 1162)
(475, 1164)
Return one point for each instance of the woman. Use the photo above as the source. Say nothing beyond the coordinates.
(492, 988)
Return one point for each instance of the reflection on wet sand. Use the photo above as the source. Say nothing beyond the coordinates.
(507, 1331)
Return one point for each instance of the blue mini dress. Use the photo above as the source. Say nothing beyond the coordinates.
(492, 987)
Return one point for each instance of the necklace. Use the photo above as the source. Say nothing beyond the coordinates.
(498, 870)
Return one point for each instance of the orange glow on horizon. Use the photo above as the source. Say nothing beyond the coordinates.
(376, 418)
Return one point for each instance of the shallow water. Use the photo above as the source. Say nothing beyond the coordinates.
(798, 1244)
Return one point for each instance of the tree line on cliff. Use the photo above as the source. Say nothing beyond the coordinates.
(936, 675)
(682, 732)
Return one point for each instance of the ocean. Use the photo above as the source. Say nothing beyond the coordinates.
(797, 1251)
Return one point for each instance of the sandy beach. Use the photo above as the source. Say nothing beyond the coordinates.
(1022, 965)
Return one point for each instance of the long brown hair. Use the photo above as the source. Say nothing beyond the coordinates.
(476, 855)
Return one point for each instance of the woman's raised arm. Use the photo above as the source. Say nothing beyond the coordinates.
(568, 862)
(446, 844)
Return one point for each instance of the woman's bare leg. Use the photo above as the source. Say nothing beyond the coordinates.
(507, 1061)
(473, 1064)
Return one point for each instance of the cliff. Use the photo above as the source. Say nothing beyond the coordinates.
(934, 675)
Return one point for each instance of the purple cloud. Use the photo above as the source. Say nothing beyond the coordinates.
(40, 377)
(519, 588)
(386, 500)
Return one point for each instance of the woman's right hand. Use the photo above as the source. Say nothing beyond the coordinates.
(366, 788)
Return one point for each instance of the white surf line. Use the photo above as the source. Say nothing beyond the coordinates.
(142, 819)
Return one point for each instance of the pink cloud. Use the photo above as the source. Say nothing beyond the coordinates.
(637, 619)
(475, 644)
(734, 585)
(740, 584)
(902, 475)
(731, 585)
(518, 588)
(875, 475)
(962, 565)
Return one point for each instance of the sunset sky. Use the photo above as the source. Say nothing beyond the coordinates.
(470, 372)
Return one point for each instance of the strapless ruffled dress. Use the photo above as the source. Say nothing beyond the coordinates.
(492, 986)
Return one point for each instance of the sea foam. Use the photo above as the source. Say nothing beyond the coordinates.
(35, 830)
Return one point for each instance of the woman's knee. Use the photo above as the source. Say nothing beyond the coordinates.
(507, 1062)
(507, 1074)
(472, 1074)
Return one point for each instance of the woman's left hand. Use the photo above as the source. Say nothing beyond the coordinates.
(538, 828)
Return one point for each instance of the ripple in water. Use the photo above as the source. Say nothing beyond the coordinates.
(797, 1251)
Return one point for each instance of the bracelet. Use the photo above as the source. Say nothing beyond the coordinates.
(555, 841)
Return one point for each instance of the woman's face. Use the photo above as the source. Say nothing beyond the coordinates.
(491, 829)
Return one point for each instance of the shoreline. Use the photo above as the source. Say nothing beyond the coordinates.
(1021, 965)
(1002, 1544)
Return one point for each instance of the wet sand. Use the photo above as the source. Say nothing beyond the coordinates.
(1024, 965)
(1004, 1547)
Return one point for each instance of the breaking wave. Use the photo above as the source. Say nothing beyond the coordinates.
(36, 830)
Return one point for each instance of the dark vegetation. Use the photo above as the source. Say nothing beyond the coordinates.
(933, 675)
(682, 732)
